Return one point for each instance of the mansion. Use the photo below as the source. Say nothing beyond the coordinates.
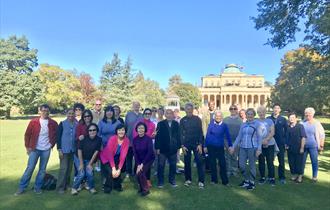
(233, 86)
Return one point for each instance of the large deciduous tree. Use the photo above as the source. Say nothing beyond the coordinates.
(147, 92)
(282, 18)
(62, 88)
(188, 93)
(303, 81)
(18, 85)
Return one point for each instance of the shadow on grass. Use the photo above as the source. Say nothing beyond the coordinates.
(290, 196)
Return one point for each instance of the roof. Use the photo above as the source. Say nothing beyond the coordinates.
(232, 68)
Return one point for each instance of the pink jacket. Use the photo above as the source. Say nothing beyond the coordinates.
(150, 128)
(108, 153)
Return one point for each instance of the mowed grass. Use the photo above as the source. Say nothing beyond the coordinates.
(307, 195)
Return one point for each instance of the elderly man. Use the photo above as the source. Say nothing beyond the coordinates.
(192, 140)
(97, 112)
(40, 137)
(234, 123)
(167, 144)
(132, 117)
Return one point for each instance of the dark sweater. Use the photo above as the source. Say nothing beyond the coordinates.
(216, 133)
(191, 131)
(281, 126)
(167, 139)
(143, 150)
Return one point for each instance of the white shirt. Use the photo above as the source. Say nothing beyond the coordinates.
(43, 139)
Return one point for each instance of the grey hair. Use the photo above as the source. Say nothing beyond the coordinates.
(311, 110)
(216, 112)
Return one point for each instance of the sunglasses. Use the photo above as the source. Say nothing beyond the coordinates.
(231, 109)
(87, 116)
(91, 130)
(98, 104)
(147, 113)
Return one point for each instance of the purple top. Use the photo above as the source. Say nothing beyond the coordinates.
(143, 149)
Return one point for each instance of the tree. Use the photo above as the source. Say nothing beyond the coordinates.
(61, 88)
(18, 85)
(147, 92)
(303, 81)
(282, 19)
(116, 83)
(173, 82)
(188, 93)
(87, 88)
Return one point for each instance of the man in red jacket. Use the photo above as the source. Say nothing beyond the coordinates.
(40, 137)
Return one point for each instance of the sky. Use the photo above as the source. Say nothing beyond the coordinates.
(190, 38)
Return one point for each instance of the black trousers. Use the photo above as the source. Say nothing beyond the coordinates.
(217, 154)
(199, 162)
(110, 182)
(281, 162)
(267, 155)
(129, 161)
(296, 162)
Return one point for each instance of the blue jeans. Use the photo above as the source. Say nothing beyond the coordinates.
(313, 154)
(81, 175)
(32, 162)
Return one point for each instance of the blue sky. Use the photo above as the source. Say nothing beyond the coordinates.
(163, 38)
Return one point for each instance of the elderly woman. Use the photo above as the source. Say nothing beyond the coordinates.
(268, 147)
(113, 158)
(314, 141)
(144, 156)
(214, 142)
(88, 151)
(66, 147)
(249, 142)
(295, 144)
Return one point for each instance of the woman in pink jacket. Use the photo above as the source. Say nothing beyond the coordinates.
(113, 158)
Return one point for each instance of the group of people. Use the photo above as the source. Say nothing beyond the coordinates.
(100, 140)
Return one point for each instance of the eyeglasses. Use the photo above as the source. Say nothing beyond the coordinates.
(87, 116)
(231, 109)
(147, 113)
(91, 130)
(98, 104)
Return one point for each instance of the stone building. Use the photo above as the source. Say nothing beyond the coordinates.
(233, 86)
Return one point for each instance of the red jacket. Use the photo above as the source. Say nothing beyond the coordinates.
(33, 130)
(108, 153)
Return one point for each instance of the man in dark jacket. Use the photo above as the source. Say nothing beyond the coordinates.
(191, 135)
(281, 126)
(40, 137)
(167, 144)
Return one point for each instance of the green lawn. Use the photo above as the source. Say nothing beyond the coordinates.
(290, 196)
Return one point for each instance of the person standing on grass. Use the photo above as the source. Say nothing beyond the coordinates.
(81, 133)
(214, 142)
(249, 142)
(66, 146)
(281, 126)
(97, 112)
(191, 135)
(207, 116)
(151, 132)
(107, 126)
(295, 144)
(113, 158)
(132, 117)
(234, 123)
(88, 152)
(167, 144)
(315, 140)
(117, 111)
(144, 156)
(40, 137)
(268, 147)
